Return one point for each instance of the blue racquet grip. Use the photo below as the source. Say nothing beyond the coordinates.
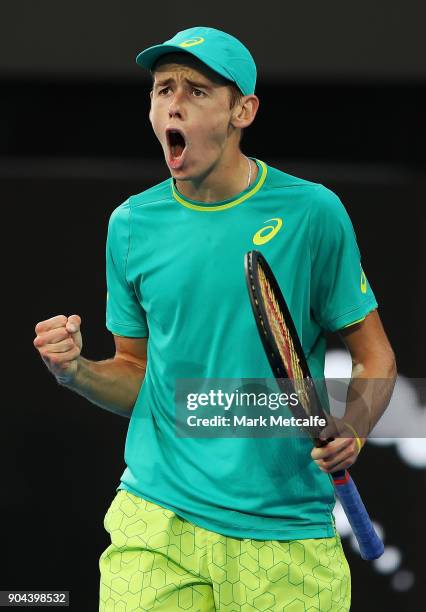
(370, 545)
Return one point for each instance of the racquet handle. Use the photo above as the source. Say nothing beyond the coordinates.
(370, 545)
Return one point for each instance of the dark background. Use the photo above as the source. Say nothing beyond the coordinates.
(342, 88)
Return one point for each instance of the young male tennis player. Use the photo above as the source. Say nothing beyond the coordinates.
(219, 523)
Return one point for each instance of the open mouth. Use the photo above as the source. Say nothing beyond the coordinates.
(177, 143)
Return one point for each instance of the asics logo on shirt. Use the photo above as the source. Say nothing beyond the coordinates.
(265, 234)
(363, 282)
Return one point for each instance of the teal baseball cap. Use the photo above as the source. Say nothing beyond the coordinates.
(222, 52)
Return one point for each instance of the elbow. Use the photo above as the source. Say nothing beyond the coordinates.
(386, 364)
(378, 364)
(392, 367)
(388, 360)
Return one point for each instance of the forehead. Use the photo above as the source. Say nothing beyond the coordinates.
(186, 65)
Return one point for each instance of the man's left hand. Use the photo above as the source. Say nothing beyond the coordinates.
(342, 452)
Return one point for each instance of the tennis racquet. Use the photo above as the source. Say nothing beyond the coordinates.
(287, 360)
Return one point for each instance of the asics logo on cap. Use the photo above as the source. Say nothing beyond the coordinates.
(265, 234)
(191, 42)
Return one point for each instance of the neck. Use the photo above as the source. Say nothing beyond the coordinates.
(222, 181)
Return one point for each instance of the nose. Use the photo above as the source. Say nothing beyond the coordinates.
(174, 111)
(175, 107)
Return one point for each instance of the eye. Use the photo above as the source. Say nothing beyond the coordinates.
(161, 91)
(198, 91)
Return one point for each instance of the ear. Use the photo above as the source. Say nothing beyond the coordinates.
(245, 111)
(150, 109)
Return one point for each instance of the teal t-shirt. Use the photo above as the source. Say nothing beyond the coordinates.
(175, 273)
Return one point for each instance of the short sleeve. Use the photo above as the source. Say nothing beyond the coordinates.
(340, 292)
(124, 313)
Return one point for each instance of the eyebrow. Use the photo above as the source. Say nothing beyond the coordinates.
(189, 81)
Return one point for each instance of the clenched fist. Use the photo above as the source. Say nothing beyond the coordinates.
(59, 343)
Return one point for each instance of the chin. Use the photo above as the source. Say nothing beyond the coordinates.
(180, 174)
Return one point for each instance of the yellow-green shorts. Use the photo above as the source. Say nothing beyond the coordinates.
(159, 561)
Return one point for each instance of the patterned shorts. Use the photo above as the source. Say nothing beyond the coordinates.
(159, 561)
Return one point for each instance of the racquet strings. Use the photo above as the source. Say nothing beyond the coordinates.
(283, 340)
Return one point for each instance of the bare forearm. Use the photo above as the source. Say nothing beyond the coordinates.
(369, 392)
(112, 384)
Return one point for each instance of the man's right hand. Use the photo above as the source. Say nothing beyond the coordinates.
(59, 343)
